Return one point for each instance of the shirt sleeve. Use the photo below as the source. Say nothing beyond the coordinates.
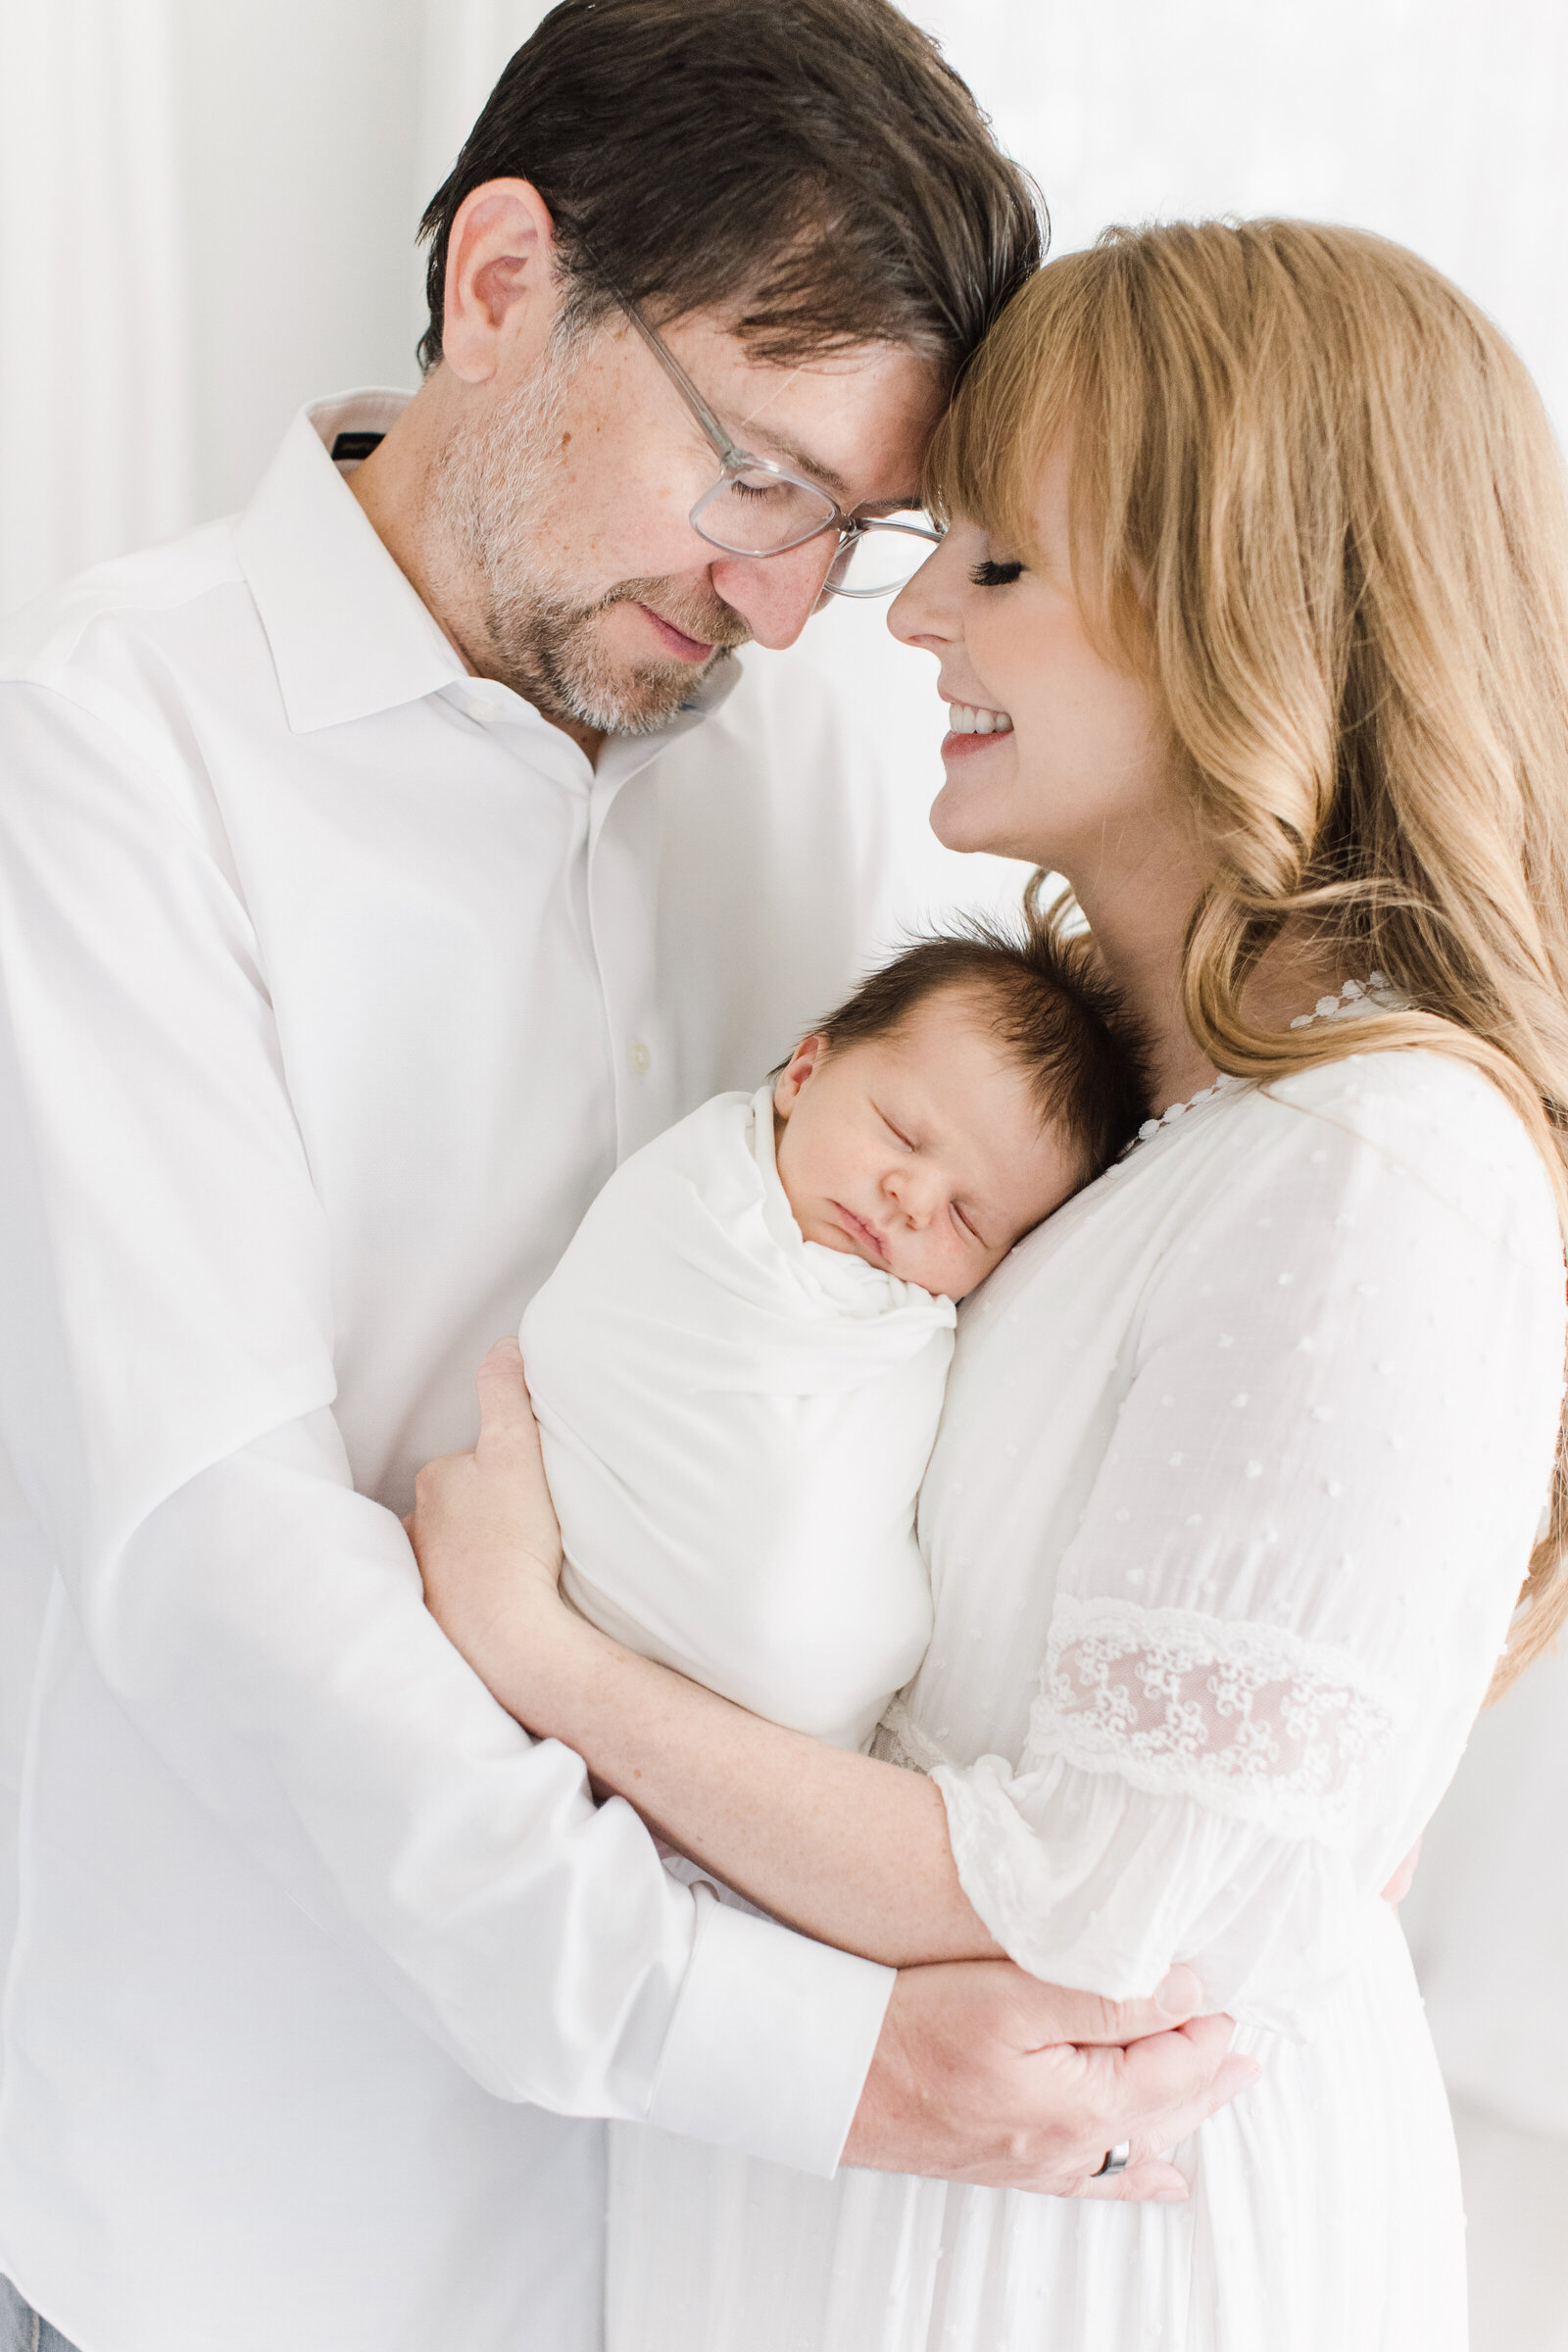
(1297, 1564)
(167, 1389)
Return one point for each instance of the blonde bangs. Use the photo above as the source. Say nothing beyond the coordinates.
(1315, 497)
(1067, 360)
(1028, 379)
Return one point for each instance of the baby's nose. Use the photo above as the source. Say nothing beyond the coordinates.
(913, 1194)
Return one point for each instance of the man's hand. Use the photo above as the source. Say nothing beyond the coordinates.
(983, 2073)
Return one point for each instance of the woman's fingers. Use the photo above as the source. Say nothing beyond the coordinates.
(1151, 2094)
(1150, 2178)
(510, 1494)
(481, 1520)
(1055, 2013)
(1398, 1887)
(1147, 2173)
(962, 2087)
(1147, 2072)
(505, 1416)
(1169, 2073)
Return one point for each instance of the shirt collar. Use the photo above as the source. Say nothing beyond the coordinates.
(349, 634)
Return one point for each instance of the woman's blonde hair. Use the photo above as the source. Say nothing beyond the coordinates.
(1317, 502)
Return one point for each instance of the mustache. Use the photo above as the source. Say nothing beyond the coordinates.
(712, 622)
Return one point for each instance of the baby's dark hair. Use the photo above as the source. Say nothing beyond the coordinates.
(1046, 1005)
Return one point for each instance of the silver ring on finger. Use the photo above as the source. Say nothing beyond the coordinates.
(1117, 2160)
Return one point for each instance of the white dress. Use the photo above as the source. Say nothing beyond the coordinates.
(1241, 1462)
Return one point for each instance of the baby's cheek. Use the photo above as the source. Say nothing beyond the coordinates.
(959, 1275)
(988, 1266)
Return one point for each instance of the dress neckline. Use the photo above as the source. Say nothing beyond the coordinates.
(1376, 993)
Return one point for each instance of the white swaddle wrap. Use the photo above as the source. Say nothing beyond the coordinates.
(735, 1423)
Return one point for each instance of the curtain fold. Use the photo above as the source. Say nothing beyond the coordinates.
(95, 409)
(463, 45)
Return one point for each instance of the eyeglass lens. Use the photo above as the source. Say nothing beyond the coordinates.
(754, 512)
(877, 560)
(757, 512)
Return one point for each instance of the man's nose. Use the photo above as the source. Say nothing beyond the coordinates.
(776, 594)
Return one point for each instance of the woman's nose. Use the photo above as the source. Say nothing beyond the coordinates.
(924, 612)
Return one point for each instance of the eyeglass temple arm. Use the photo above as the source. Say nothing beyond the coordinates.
(678, 376)
(726, 447)
(855, 524)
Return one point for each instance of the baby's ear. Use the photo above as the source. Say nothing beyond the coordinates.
(806, 1057)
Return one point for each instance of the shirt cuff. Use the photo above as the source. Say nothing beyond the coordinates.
(770, 2042)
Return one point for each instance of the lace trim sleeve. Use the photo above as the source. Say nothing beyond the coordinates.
(1248, 1718)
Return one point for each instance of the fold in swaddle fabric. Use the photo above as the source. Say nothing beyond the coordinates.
(735, 1423)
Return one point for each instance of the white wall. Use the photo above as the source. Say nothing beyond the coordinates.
(1441, 123)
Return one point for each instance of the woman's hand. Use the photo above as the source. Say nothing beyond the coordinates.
(483, 1528)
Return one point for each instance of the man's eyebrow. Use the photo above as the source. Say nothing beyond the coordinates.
(801, 461)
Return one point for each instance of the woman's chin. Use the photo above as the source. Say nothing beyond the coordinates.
(970, 820)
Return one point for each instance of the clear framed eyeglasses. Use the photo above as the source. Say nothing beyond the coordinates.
(760, 507)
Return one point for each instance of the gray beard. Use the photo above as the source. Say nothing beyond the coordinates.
(547, 649)
(540, 639)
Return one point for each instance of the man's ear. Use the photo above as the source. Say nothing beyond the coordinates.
(502, 295)
(809, 1056)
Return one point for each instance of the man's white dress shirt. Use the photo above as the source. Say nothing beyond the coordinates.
(334, 983)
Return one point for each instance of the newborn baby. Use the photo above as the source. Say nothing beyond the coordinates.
(738, 1364)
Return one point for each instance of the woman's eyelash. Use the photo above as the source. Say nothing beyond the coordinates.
(989, 574)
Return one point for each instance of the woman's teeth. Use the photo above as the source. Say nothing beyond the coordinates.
(963, 720)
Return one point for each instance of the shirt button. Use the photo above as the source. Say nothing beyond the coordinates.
(637, 1057)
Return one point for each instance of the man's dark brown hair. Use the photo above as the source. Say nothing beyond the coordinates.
(1036, 991)
(811, 168)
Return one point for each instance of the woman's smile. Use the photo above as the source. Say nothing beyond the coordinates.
(1056, 737)
(973, 727)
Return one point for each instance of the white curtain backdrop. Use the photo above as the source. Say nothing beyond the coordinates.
(1441, 123)
(206, 212)
(207, 207)
(96, 387)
